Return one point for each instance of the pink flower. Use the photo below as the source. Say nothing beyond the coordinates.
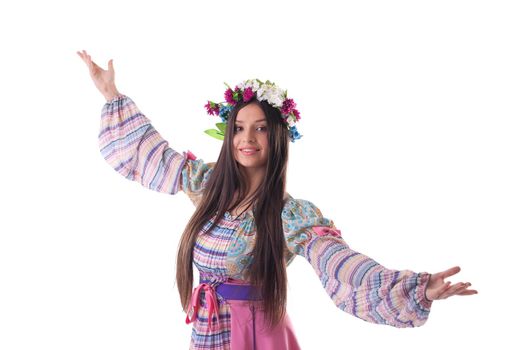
(297, 115)
(212, 108)
(247, 95)
(228, 96)
(288, 105)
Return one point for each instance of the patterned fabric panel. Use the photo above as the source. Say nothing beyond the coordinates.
(194, 177)
(218, 255)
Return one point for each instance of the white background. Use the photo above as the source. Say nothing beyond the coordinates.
(413, 123)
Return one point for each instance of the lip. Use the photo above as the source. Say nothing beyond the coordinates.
(248, 151)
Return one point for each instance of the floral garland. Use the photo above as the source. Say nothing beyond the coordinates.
(244, 91)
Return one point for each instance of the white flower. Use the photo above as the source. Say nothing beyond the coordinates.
(276, 101)
(290, 121)
(255, 85)
(261, 92)
(275, 96)
(265, 92)
(251, 83)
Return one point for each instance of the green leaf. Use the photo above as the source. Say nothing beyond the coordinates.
(221, 127)
(215, 134)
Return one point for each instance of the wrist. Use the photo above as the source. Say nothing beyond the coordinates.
(111, 94)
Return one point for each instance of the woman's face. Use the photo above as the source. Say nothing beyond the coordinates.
(251, 134)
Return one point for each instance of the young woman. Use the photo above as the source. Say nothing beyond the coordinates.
(246, 229)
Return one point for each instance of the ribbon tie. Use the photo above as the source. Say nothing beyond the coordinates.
(325, 230)
(211, 302)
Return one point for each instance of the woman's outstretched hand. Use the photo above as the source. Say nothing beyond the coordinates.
(104, 79)
(438, 289)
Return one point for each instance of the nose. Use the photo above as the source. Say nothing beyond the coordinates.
(249, 136)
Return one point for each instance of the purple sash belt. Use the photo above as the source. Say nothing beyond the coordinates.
(228, 291)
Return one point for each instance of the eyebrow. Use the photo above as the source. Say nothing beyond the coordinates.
(260, 120)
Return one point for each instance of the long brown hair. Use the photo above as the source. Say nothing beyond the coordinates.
(268, 269)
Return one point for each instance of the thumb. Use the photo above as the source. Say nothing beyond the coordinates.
(110, 64)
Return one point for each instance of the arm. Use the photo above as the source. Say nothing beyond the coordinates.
(132, 146)
(356, 283)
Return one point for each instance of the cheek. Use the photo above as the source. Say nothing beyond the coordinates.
(264, 140)
(235, 141)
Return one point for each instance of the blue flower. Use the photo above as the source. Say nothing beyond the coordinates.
(294, 134)
(224, 111)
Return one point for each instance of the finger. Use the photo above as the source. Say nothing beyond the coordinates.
(92, 64)
(452, 290)
(110, 65)
(446, 293)
(449, 272)
(465, 289)
(442, 289)
(468, 292)
(81, 55)
(85, 59)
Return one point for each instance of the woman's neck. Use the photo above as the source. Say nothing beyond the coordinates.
(255, 177)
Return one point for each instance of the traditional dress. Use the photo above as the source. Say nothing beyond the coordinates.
(356, 283)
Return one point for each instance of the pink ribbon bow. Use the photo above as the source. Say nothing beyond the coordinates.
(211, 302)
(191, 155)
(324, 230)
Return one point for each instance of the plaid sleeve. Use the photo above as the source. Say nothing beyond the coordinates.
(131, 145)
(356, 283)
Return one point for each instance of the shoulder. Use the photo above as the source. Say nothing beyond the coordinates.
(300, 213)
(304, 223)
(299, 208)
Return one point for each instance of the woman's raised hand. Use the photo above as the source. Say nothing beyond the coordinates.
(438, 289)
(104, 79)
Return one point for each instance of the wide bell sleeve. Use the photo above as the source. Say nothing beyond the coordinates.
(356, 283)
(135, 149)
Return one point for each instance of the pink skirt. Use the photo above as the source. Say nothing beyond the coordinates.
(247, 326)
(249, 331)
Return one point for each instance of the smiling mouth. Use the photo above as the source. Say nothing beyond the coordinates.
(249, 151)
